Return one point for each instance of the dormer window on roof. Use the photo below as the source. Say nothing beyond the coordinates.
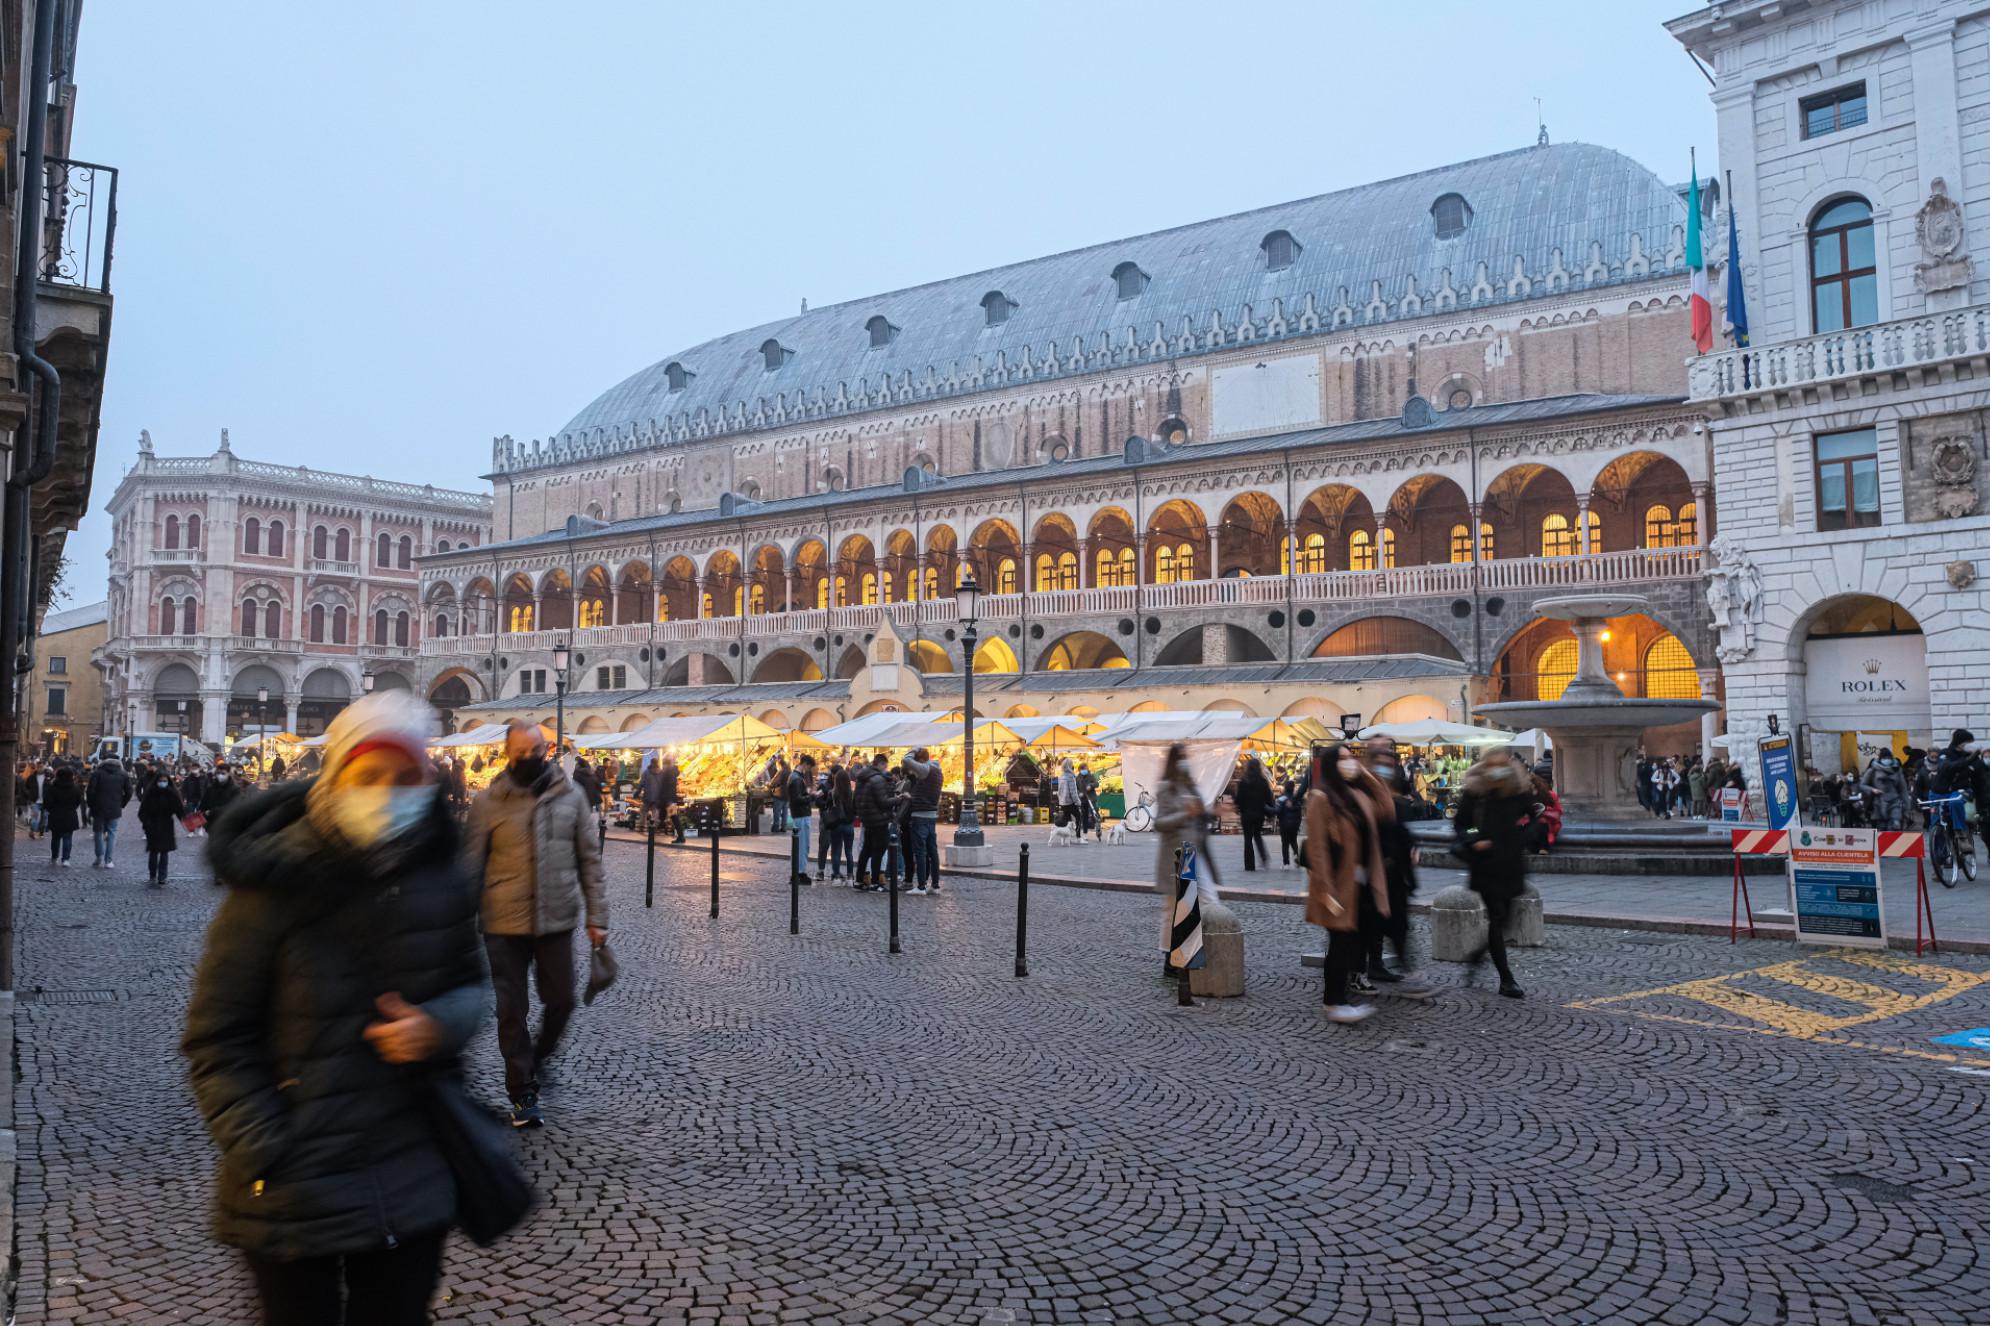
(881, 331)
(676, 376)
(997, 306)
(775, 354)
(1130, 279)
(1280, 250)
(1451, 214)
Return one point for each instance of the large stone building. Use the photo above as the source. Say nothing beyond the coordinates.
(230, 577)
(1317, 458)
(1849, 435)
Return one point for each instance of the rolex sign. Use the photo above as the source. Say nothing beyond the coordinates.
(1871, 683)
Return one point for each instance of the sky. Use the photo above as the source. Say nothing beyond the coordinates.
(371, 236)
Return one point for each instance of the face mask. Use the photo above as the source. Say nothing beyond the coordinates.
(1350, 770)
(163, 784)
(369, 815)
(528, 768)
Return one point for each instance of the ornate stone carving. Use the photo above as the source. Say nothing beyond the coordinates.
(1938, 227)
(1952, 462)
(1961, 575)
(1734, 597)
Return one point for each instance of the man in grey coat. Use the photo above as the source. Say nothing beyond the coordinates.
(531, 845)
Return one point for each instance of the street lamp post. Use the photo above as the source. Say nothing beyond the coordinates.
(181, 705)
(262, 730)
(562, 656)
(366, 682)
(968, 832)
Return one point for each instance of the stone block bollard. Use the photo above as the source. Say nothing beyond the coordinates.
(1221, 975)
(1525, 928)
(1457, 924)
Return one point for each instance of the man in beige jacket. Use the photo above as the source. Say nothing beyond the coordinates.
(531, 845)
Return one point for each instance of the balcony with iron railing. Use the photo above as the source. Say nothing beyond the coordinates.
(79, 225)
(1840, 356)
(1623, 567)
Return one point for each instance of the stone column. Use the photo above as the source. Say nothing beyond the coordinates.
(1085, 573)
(1473, 518)
(787, 591)
(214, 718)
(1215, 571)
(1710, 721)
(1381, 539)
(1703, 512)
(1215, 643)
(1582, 524)
(290, 713)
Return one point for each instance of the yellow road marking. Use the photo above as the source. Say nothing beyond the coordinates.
(1773, 1017)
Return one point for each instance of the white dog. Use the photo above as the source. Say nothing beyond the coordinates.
(1062, 835)
(1116, 835)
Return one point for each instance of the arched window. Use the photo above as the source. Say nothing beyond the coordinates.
(193, 532)
(1450, 215)
(342, 546)
(249, 617)
(932, 582)
(1688, 525)
(1844, 283)
(338, 625)
(738, 599)
(1554, 670)
(172, 531)
(273, 620)
(276, 538)
(869, 588)
(252, 537)
(443, 546)
(383, 558)
(379, 626)
(1313, 554)
(1557, 538)
(822, 592)
(1067, 570)
(708, 609)
(407, 552)
(167, 620)
(996, 308)
(1005, 576)
(1660, 532)
(1130, 280)
(1361, 551)
(1280, 250)
(441, 626)
(1669, 671)
(757, 600)
(881, 331)
(772, 355)
(321, 543)
(675, 377)
(1164, 565)
(1461, 543)
(1595, 523)
(401, 627)
(1388, 547)
(317, 623)
(1485, 541)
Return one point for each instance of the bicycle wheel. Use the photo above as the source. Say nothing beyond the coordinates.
(1942, 857)
(1967, 855)
(1138, 820)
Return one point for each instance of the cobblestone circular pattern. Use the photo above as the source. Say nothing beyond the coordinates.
(755, 1127)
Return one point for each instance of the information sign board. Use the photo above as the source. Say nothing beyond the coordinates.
(1779, 781)
(1834, 887)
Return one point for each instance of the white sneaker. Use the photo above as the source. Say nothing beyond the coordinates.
(1350, 1013)
(918, 892)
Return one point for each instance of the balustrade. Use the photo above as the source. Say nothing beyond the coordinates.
(1882, 347)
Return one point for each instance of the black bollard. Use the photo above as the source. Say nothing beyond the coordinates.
(891, 883)
(715, 865)
(649, 864)
(1023, 911)
(794, 879)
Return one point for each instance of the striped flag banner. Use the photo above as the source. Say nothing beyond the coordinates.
(1761, 842)
(1186, 951)
(1910, 845)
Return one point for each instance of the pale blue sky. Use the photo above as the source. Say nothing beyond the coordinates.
(369, 236)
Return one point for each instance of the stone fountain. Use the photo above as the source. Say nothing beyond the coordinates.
(1595, 727)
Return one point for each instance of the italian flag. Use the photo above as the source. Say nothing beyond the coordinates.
(1701, 306)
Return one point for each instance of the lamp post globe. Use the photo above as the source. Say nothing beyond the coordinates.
(366, 681)
(967, 598)
(562, 657)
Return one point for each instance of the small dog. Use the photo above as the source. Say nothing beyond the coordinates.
(1062, 835)
(1116, 835)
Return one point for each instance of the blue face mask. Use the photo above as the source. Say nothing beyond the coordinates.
(370, 815)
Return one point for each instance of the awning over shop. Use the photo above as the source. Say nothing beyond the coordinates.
(1435, 732)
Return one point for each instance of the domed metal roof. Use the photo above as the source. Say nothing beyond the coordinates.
(1574, 215)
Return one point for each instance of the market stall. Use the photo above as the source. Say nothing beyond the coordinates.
(1444, 752)
(997, 744)
(720, 758)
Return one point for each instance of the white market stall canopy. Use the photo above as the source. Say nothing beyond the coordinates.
(706, 729)
(490, 734)
(1259, 734)
(1436, 732)
(862, 731)
(1534, 739)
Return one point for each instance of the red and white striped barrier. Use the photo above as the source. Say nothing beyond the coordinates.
(1902, 844)
(1761, 842)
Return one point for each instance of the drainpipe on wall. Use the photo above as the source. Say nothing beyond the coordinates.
(31, 465)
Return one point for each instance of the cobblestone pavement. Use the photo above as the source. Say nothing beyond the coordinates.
(759, 1128)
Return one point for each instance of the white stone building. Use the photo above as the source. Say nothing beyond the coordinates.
(229, 577)
(1849, 436)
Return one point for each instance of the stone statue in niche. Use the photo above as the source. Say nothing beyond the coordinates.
(1952, 463)
(1938, 227)
(1734, 597)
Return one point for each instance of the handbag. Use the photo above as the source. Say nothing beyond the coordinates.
(602, 969)
(492, 1192)
(194, 821)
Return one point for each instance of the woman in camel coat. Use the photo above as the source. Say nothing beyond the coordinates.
(1347, 889)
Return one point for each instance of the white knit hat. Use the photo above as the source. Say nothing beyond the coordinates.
(384, 718)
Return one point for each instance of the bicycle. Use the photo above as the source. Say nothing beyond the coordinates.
(1951, 848)
(1139, 816)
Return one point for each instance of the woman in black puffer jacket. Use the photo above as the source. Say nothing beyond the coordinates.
(346, 951)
